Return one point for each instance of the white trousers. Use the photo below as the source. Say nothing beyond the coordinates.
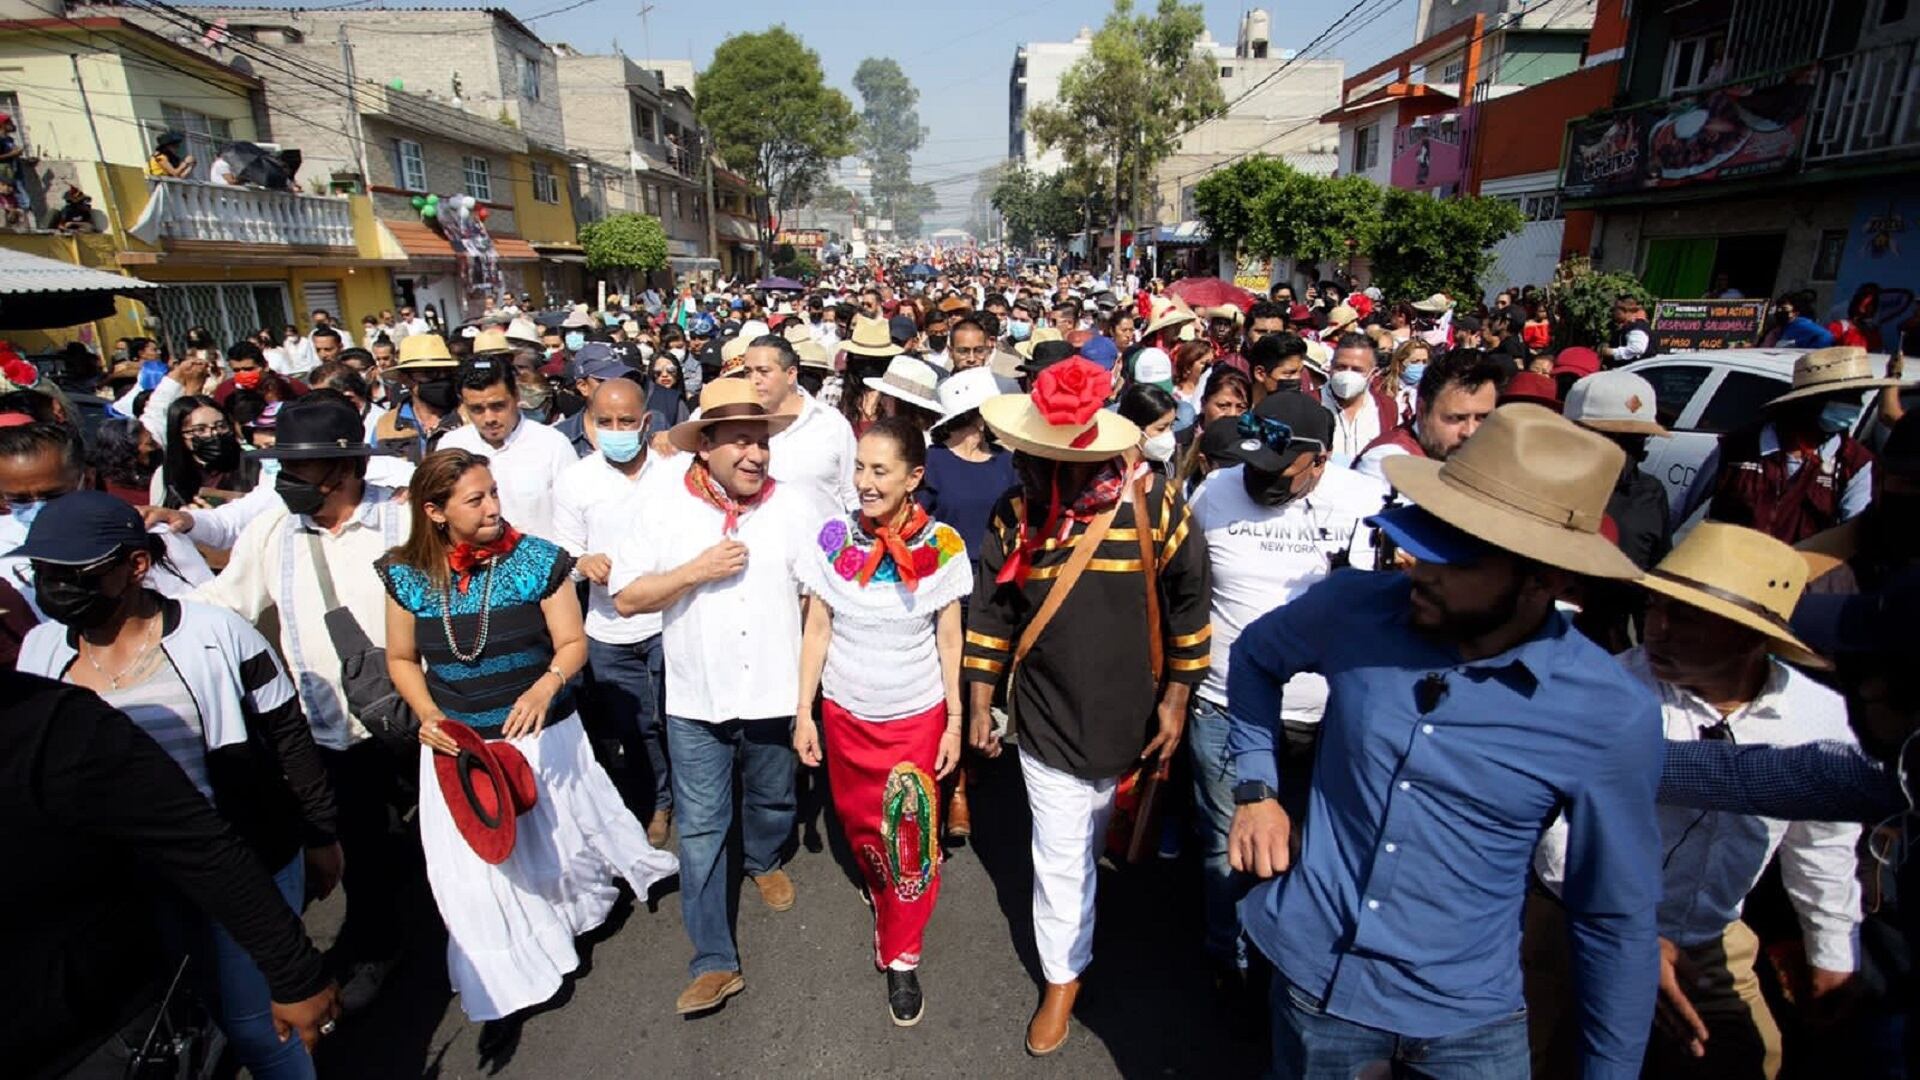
(1069, 826)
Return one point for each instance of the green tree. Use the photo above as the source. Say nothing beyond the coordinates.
(624, 243)
(1581, 301)
(890, 132)
(1420, 244)
(772, 116)
(1122, 108)
(1037, 207)
(1265, 207)
(790, 261)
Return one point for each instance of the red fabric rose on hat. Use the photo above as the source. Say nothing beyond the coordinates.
(1069, 393)
(14, 369)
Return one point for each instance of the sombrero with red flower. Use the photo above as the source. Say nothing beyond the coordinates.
(487, 785)
(1063, 418)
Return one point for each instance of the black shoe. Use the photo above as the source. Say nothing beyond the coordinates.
(903, 997)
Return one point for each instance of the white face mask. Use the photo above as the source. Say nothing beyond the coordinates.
(1158, 447)
(1347, 384)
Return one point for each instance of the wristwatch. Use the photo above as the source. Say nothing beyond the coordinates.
(1252, 791)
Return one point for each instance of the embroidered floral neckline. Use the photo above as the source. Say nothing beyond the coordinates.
(847, 548)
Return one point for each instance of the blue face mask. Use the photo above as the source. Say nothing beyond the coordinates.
(620, 447)
(269, 468)
(1410, 375)
(575, 339)
(25, 512)
(1838, 416)
(1018, 331)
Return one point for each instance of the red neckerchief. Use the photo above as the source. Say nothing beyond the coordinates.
(705, 488)
(893, 542)
(466, 557)
(1102, 492)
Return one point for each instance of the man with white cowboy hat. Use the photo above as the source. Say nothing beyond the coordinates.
(1718, 652)
(431, 406)
(1462, 709)
(1100, 653)
(911, 380)
(1757, 475)
(714, 555)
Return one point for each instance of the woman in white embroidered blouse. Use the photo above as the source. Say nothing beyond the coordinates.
(883, 641)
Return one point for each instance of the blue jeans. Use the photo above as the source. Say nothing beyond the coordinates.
(703, 761)
(232, 986)
(630, 686)
(1308, 1044)
(1213, 780)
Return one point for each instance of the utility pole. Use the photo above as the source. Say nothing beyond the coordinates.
(99, 154)
(713, 206)
(353, 106)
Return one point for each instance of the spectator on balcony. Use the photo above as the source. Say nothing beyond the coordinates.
(169, 160)
(75, 214)
(10, 210)
(221, 172)
(13, 152)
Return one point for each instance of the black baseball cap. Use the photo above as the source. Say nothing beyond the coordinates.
(1285, 425)
(82, 527)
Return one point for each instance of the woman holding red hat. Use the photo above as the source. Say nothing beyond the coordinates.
(528, 833)
(887, 580)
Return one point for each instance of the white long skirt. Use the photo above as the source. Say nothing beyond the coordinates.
(510, 928)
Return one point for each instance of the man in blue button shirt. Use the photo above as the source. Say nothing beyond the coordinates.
(1463, 713)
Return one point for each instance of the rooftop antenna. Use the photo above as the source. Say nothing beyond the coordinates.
(646, 32)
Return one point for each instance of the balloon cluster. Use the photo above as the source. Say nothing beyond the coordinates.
(462, 206)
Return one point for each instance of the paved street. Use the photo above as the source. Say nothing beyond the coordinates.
(814, 1005)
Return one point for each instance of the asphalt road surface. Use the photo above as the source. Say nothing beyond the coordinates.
(814, 1005)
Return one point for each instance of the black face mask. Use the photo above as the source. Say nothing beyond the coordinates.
(217, 452)
(78, 603)
(437, 394)
(301, 496)
(937, 342)
(1285, 385)
(1267, 489)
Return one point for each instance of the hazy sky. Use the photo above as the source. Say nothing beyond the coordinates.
(957, 54)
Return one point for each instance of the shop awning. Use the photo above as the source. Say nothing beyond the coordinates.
(419, 241)
(734, 228)
(37, 293)
(1185, 234)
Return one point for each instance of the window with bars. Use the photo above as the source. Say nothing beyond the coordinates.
(230, 312)
(205, 135)
(410, 164)
(546, 186)
(477, 173)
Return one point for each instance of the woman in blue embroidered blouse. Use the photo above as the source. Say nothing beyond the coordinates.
(481, 631)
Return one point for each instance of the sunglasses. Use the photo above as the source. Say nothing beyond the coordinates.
(1276, 434)
(37, 572)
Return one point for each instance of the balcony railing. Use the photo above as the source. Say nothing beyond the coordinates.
(187, 210)
(1868, 102)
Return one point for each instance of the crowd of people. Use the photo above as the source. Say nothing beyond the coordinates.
(1483, 741)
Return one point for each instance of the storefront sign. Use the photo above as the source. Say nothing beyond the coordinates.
(1252, 273)
(802, 238)
(1745, 130)
(1693, 325)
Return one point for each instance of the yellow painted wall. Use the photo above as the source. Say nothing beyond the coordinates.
(121, 96)
(541, 222)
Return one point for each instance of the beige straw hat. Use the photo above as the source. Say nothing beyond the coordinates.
(1831, 371)
(1741, 575)
(725, 399)
(1530, 482)
(1063, 418)
(909, 379)
(419, 351)
(870, 337)
(1040, 336)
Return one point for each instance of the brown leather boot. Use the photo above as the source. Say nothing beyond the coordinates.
(959, 817)
(776, 888)
(1047, 1031)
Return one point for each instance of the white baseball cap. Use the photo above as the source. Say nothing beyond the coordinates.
(1153, 365)
(1614, 401)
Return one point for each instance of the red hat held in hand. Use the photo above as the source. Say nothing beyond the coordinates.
(487, 785)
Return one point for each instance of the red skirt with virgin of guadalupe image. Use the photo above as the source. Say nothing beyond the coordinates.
(888, 804)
